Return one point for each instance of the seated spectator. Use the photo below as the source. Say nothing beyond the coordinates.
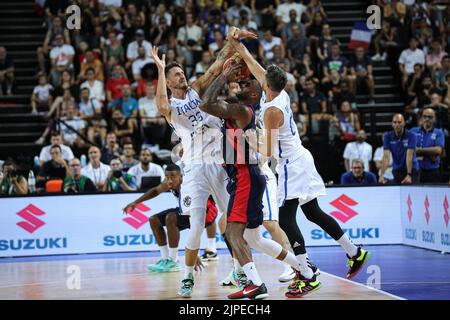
(358, 149)
(385, 39)
(67, 83)
(325, 43)
(132, 49)
(115, 83)
(409, 58)
(75, 182)
(285, 8)
(430, 146)
(378, 160)
(89, 108)
(153, 123)
(279, 58)
(342, 94)
(146, 168)
(128, 159)
(435, 56)
(315, 6)
(233, 12)
(440, 74)
(139, 63)
(61, 57)
(95, 169)
(297, 46)
(111, 149)
(217, 45)
(91, 62)
(54, 169)
(6, 72)
(159, 34)
(358, 175)
(290, 89)
(304, 69)
(314, 102)
(361, 74)
(12, 183)
(96, 131)
(72, 128)
(55, 139)
(337, 62)
(126, 103)
(112, 47)
(118, 180)
(244, 22)
(41, 97)
(96, 88)
(122, 127)
(267, 43)
(190, 38)
(203, 65)
(300, 120)
(294, 25)
(440, 109)
(314, 29)
(346, 122)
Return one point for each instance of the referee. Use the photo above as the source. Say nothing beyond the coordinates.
(430, 144)
(401, 143)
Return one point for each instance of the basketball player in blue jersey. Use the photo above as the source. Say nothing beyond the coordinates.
(298, 180)
(199, 132)
(246, 183)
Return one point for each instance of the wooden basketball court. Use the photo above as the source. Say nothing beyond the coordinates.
(128, 278)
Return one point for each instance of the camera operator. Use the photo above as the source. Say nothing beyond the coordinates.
(75, 182)
(12, 183)
(117, 180)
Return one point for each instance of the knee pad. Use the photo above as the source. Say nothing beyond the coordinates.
(197, 222)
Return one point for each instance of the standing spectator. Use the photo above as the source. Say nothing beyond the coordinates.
(408, 58)
(378, 160)
(361, 73)
(111, 150)
(11, 182)
(61, 57)
(132, 49)
(127, 158)
(146, 168)
(96, 88)
(139, 63)
(401, 143)
(75, 182)
(6, 72)
(126, 104)
(358, 149)
(358, 175)
(54, 169)
(115, 83)
(55, 139)
(96, 170)
(430, 145)
(72, 128)
(41, 98)
(117, 179)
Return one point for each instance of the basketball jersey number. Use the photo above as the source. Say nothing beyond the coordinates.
(196, 118)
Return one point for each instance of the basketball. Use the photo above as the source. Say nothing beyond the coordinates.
(245, 71)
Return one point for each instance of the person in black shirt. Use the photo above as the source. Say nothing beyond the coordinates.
(313, 102)
(54, 169)
(6, 72)
(361, 73)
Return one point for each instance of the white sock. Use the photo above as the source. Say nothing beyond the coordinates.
(237, 265)
(212, 244)
(188, 272)
(348, 246)
(164, 252)
(291, 261)
(305, 270)
(252, 273)
(173, 254)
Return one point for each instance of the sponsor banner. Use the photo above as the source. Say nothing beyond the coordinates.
(369, 215)
(425, 217)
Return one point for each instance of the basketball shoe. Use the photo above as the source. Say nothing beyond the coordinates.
(302, 286)
(250, 291)
(356, 263)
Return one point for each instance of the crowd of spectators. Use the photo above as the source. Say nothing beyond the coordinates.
(96, 85)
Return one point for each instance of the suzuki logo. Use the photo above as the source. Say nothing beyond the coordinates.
(427, 212)
(137, 219)
(342, 204)
(409, 202)
(31, 223)
(446, 216)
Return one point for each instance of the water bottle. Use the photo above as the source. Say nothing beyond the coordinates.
(31, 182)
(83, 160)
(36, 161)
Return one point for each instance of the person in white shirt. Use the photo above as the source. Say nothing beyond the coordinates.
(408, 58)
(358, 149)
(132, 49)
(146, 168)
(190, 37)
(154, 124)
(233, 12)
(96, 87)
(72, 122)
(61, 57)
(96, 170)
(41, 97)
(56, 139)
(378, 159)
(284, 8)
(139, 63)
(89, 107)
(204, 64)
(268, 42)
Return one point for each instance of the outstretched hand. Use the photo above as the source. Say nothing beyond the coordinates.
(235, 34)
(160, 62)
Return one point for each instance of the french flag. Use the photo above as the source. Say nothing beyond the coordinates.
(361, 36)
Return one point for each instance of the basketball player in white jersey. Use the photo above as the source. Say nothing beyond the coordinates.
(298, 180)
(200, 136)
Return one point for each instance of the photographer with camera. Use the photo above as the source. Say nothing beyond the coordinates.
(12, 183)
(75, 182)
(117, 180)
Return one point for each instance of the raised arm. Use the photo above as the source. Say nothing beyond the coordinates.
(162, 100)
